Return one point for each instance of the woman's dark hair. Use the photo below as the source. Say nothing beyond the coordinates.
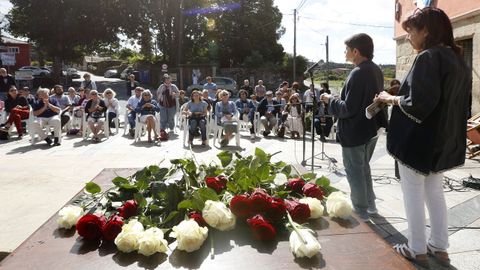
(324, 85)
(363, 43)
(437, 25)
(241, 92)
(195, 92)
(395, 82)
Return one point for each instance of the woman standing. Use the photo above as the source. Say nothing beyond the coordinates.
(196, 111)
(166, 94)
(225, 111)
(112, 105)
(18, 109)
(147, 108)
(427, 133)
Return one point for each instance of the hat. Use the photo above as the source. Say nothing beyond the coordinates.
(166, 76)
(269, 93)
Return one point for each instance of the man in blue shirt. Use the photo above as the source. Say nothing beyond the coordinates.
(47, 112)
(211, 87)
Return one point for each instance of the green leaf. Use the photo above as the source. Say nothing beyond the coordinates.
(323, 182)
(119, 181)
(261, 155)
(186, 204)
(142, 202)
(232, 187)
(245, 183)
(287, 170)
(92, 188)
(225, 158)
(263, 172)
(207, 194)
(170, 217)
(309, 176)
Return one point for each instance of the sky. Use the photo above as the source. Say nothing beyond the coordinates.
(339, 19)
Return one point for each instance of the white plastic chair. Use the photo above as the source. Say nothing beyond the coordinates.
(142, 127)
(86, 129)
(3, 113)
(34, 136)
(125, 126)
(218, 130)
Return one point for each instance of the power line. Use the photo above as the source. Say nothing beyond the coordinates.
(347, 23)
(301, 4)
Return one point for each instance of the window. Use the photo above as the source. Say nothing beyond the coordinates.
(467, 46)
(13, 50)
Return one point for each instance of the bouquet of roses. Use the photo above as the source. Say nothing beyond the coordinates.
(188, 199)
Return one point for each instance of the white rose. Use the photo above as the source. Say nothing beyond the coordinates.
(68, 216)
(316, 207)
(339, 206)
(128, 239)
(304, 249)
(190, 236)
(336, 194)
(217, 215)
(151, 242)
(280, 179)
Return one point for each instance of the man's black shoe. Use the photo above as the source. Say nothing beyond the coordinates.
(132, 132)
(322, 138)
(265, 133)
(48, 140)
(56, 142)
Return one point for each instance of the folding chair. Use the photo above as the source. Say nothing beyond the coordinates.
(473, 136)
(218, 130)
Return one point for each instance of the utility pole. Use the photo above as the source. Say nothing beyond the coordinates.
(328, 68)
(294, 43)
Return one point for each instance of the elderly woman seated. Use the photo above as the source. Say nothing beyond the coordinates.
(95, 109)
(196, 111)
(225, 110)
(147, 108)
(112, 105)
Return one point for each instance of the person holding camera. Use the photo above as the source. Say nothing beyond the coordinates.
(95, 109)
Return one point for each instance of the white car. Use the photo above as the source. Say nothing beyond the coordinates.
(111, 73)
(36, 71)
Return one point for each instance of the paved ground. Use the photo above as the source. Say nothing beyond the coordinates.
(38, 180)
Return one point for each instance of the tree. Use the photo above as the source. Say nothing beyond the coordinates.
(300, 61)
(67, 29)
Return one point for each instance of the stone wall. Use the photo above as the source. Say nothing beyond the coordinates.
(462, 29)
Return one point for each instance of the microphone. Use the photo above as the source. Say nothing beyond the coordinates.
(313, 67)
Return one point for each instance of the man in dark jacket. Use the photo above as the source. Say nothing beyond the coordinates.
(269, 110)
(357, 134)
(6, 81)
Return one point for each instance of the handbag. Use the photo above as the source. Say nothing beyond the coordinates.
(4, 136)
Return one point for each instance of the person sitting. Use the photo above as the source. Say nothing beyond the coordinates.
(281, 101)
(294, 116)
(47, 111)
(286, 92)
(64, 104)
(323, 122)
(132, 103)
(247, 110)
(131, 84)
(182, 99)
(207, 99)
(6, 82)
(216, 99)
(112, 106)
(95, 109)
(225, 111)
(147, 108)
(25, 92)
(268, 109)
(308, 98)
(18, 109)
(295, 88)
(196, 111)
(72, 95)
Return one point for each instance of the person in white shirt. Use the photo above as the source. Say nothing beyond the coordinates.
(132, 103)
(112, 105)
(308, 98)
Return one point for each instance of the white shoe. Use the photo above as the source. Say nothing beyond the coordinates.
(252, 136)
(372, 210)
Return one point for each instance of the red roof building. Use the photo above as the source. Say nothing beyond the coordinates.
(17, 53)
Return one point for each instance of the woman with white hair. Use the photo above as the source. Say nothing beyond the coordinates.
(147, 108)
(224, 112)
(95, 109)
(112, 105)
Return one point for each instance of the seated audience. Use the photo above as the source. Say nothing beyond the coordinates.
(132, 103)
(63, 102)
(225, 111)
(269, 110)
(112, 106)
(147, 108)
(18, 109)
(196, 111)
(247, 110)
(47, 111)
(294, 116)
(95, 109)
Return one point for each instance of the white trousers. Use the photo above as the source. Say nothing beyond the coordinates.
(39, 123)
(419, 190)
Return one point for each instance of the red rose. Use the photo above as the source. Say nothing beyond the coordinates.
(128, 209)
(260, 201)
(216, 183)
(112, 228)
(277, 210)
(261, 228)
(296, 184)
(241, 206)
(197, 216)
(313, 190)
(300, 212)
(90, 226)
